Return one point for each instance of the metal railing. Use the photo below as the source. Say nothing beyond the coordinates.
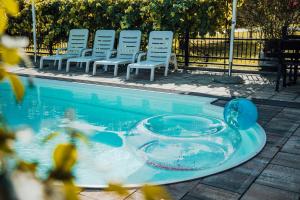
(213, 52)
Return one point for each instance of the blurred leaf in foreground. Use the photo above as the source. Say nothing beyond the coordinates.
(10, 56)
(50, 137)
(3, 20)
(10, 6)
(65, 157)
(155, 193)
(117, 188)
(6, 139)
(71, 191)
(17, 86)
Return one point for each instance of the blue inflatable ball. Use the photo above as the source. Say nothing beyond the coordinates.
(240, 114)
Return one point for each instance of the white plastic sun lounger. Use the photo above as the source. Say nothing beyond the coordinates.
(127, 51)
(102, 49)
(78, 39)
(158, 55)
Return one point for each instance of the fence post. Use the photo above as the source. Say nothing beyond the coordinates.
(186, 47)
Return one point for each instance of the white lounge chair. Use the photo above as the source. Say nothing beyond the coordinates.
(127, 51)
(102, 49)
(158, 55)
(78, 39)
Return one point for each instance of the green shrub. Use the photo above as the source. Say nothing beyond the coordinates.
(56, 17)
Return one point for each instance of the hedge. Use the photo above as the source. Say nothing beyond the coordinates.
(56, 17)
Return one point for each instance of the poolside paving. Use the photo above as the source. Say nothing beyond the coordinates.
(273, 174)
(195, 82)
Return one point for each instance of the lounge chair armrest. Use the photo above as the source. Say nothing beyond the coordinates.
(135, 56)
(141, 54)
(110, 53)
(85, 51)
(59, 50)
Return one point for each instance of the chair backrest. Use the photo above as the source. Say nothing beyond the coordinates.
(129, 44)
(104, 41)
(160, 46)
(78, 39)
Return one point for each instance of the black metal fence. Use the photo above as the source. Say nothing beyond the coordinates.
(213, 52)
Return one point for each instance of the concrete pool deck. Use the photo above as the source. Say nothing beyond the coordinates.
(257, 86)
(273, 174)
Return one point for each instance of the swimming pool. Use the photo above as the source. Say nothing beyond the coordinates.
(127, 112)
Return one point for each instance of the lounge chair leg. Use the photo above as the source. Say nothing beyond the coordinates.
(68, 67)
(166, 71)
(105, 68)
(81, 65)
(55, 62)
(116, 70)
(87, 67)
(174, 61)
(41, 63)
(152, 75)
(136, 71)
(94, 68)
(128, 73)
(59, 64)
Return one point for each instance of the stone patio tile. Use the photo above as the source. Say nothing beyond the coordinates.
(268, 112)
(276, 140)
(189, 197)
(219, 93)
(268, 151)
(203, 89)
(207, 192)
(261, 95)
(263, 192)
(297, 132)
(281, 126)
(297, 99)
(81, 197)
(292, 145)
(237, 179)
(280, 177)
(178, 190)
(220, 103)
(283, 97)
(290, 114)
(97, 194)
(287, 159)
(137, 195)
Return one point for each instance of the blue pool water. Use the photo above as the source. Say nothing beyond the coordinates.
(164, 137)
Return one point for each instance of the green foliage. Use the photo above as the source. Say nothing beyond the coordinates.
(196, 16)
(269, 15)
(56, 17)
